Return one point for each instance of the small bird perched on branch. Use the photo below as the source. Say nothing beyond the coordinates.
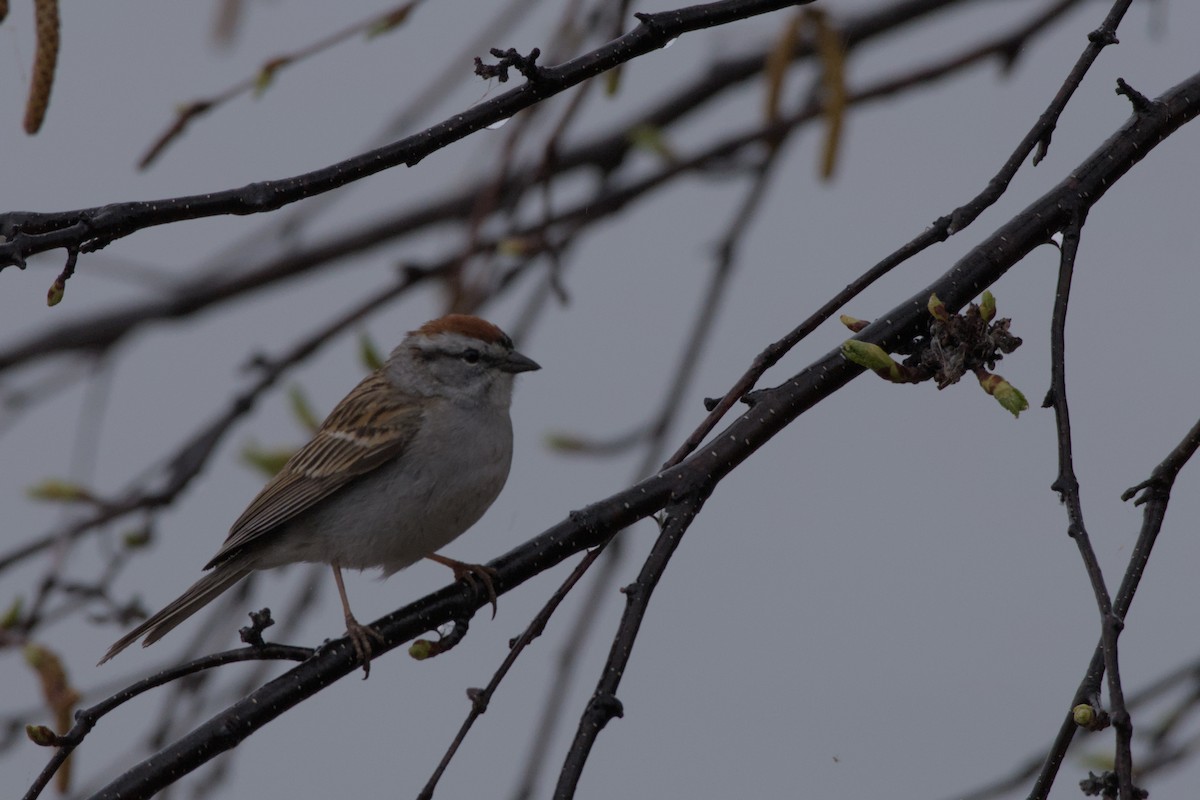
(405, 463)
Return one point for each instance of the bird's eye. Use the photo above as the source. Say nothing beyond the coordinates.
(471, 356)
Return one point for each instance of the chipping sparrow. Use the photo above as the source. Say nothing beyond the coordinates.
(406, 462)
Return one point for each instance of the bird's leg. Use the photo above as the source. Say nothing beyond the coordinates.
(470, 574)
(360, 635)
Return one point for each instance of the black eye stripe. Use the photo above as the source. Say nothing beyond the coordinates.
(470, 355)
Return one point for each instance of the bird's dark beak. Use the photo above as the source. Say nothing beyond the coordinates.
(518, 363)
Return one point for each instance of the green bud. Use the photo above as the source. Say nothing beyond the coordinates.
(1005, 393)
(987, 306)
(875, 358)
(266, 75)
(41, 735)
(937, 308)
(853, 323)
(54, 294)
(868, 355)
(53, 489)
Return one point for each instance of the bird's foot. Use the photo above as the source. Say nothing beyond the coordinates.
(360, 636)
(471, 574)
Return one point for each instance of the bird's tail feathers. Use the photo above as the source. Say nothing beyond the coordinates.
(198, 595)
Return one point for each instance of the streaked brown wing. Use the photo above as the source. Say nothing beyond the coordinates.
(370, 426)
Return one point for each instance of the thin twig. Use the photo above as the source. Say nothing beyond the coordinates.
(187, 112)
(86, 719)
(480, 698)
(1067, 487)
(604, 704)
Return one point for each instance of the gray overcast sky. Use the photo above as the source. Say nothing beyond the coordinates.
(882, 602)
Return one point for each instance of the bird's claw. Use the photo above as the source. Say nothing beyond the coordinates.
(471, 574)
(360, 636)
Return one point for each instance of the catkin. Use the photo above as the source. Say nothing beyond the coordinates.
(44, 61)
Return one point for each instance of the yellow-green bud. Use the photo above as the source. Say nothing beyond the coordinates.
(1006, 394)
(987, 306)
(868, 355)
(937, 308)
(853, 323)
(41, 735)
(266, 75)
(59, 491)
(54, 294)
